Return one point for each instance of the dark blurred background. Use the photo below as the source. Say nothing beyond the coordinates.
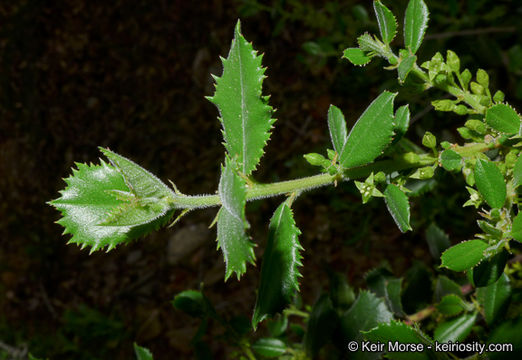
(132, 75)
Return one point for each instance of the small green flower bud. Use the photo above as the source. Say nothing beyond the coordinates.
(423, 173)
(411, 157)
(466, 78)
(498, 97)
(476, 88)
(429, 140)
(316, 159)
(483, 78)
(445, 145)
(380, 177)
(461, 109)
(511, 159)
(443, 105)
(465, 133)
(453, 61)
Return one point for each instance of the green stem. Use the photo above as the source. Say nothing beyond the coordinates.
(258, 191)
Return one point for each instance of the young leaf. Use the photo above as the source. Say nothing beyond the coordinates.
(455, 330)
(269, 347)
(508, 332)
(231, 222)
(503, 118)
(371, 133)
(337, 127)
(371, 46)
(405, 66)
(490, 183)
(142, 353)
(279, 273)
(464, 255)
(398, 332)
(140, 182)
(401, 122)
(495, 298)
(88, 200)
(451, 160)
(451, 305)
(386, 20)
(398, 206)
(415, 24)
(244, 112)
(356, 56)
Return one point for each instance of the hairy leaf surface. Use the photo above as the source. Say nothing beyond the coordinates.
(386, 20)
(89, 201)
(279, 271)
(370, 135)
(415, 24)
(464, 255)
(337, 127)
(356, 56)
(503, 118)
(398, 206)
(244, 112)
(231, 222)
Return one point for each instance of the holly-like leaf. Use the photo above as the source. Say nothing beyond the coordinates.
(398, 332)
(438, 240)
(370, 135)
(490, 183)
(279, 271)
(356, 56)
(381, 282)
(405, 66)
(269, 347)
(90, 200)
(244, 113)
(337, 127)
(231, 222)
(415, 24)
(503, 118)
(142, 353)
(495, 298)
(386, 20)
(398, 206)
(321, 324)
(464, 255)
(490, 270)
(455, 330)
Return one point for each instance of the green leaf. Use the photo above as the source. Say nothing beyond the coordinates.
(489, 270)
(321, 324)
(516, 229)
(382, 283)
(464, 255)
(367, 312)
(451, 160)
(398, 332)
(490, 183)
(269, 347)
(495, 298)
(244, 112)
(451, 305)
(503, 118)
(372, 46)
(455, 330)
(405, 66)
(279, 271)
(415, 24)
(386, 20)
(371, 133)
(517, 172)
(437, 239)
(401, 122)
(398, 206)
(191, 302)
(231, 222)
(356, 56)
(445, 286)
(89, 200)
(142, 353)
(337, 127)
(341, 293)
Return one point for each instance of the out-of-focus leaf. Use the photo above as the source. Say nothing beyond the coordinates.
(269, 347)
(142, 353)
(455, 330)
(494, 298)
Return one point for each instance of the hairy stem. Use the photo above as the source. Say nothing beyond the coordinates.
(258, 191)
